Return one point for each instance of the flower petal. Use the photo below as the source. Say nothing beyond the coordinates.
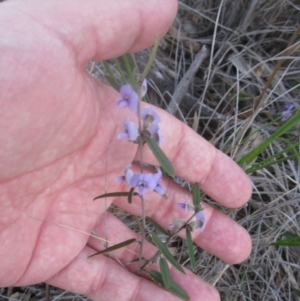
(126, 91)
(133, 101)
(201, 219)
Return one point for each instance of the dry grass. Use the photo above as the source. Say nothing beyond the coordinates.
(232, 102)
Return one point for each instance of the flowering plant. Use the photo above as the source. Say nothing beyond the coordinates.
(148, 131)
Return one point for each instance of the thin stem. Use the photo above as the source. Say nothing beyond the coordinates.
(142, 170)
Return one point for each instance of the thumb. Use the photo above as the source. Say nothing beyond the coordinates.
(101, 29)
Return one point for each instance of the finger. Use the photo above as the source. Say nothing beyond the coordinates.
(221, 237)
(101, 29)
(196, 160)
(116, 232)
(104, 279)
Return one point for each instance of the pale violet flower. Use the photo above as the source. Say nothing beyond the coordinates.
(155, 133)
(143, 181)
(144, 87)
(200, 221)
(149, 115)
(128, 174)
(287, 113)
(151, 124)
(129, 98)
(185, 206)
(130, 132)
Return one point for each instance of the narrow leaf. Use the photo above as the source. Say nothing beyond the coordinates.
(196, 195)
(160, 156)
(164, 250)
(165, 272)
(190, 246)
(115, 247)
(287, 243)
(174, 288)
(114, 194)
(292, 239)
(157, 226)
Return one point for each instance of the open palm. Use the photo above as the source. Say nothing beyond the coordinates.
(59, 150)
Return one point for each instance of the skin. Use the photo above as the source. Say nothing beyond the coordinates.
(59, 151)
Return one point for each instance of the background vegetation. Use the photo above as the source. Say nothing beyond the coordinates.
(232, 68)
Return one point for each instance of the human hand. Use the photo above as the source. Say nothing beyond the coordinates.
(59, 150)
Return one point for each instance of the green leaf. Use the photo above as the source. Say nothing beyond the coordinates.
(190, 246)
(114, 194)
(160, 156)
(287, 243)
(164, 250)
(115, 247)
(157, 226)
(174, 287)
(165, 272)
(196, 195)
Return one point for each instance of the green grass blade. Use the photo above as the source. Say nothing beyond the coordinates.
(120, 70)
(287, 242)
(278, 157)
(174, 288)
(165, 272)
(129, 70)
(289, 124)
(164, 250)
(160, 156)
(115, 247)
(190, 246)
(114, 194)
(110, 77)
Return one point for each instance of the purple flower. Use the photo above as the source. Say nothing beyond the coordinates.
(155, 133)
(128, 174)
(143, 181)
(200, 221)
(287, 113)
(151, 120)
(130, 132)
(129, 98)
(185, 206)
(149, 115)
(144, 88)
